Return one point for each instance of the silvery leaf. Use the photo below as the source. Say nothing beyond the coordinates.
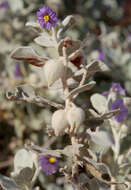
(71, 47)
(21, 92)
(72, 150)
(22, 159)
(35, 25)
(110, 114)
(24, 177)
(81, 89)
(45, 42)
(16, 5)
(29, 55)
(93, 67)
(99, 102)
(127, 101)
(68, 22)
(8, 183)
(24, 52)
(102, 137)
(44, 151)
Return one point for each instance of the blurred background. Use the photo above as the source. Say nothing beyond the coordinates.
(109, 25)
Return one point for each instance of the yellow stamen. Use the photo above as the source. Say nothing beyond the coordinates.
(52, 159)
(46, 18)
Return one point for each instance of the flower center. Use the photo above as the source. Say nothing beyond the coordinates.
(46, 18)
(52, 159)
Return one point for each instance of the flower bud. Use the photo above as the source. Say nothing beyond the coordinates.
(59, 122)
(54, 69)
(75, 116)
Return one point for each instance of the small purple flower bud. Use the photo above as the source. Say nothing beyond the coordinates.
(47, 17)
(17, 72)
(49, 164)
(101, 56)
(119, 104)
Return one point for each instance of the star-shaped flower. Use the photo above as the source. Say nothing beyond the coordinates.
(47, 17)
(119, 104)
(115, 87)
(49, 164)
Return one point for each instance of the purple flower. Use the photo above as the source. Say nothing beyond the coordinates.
(49, 164)
(101, 56)
(106, 93)
(46, 17)
(119, 104)
(4, 4)
(116, 87)
(17, 72)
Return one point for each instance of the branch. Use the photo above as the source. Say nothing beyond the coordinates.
(22, 96)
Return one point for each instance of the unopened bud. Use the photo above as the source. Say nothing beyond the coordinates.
(59, 122)
(54, 69)
(75, 117)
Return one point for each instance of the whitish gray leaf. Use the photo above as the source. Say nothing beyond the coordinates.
(21, 92)
(68, 21)
(99, 102)
(110, 114)
(24, 177)
(16, 5)
(102, 137)
(44, 151)
(81, 89)
(22, 53)
(72, 46)
(72, 150)
(93, 67)
(33, 25)
(22, 159)
(27, 90)
(8, 183)
(44, 41)
(127, 101)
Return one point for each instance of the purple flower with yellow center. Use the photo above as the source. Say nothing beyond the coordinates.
(47, 17)
(49, 164)
(119, 104)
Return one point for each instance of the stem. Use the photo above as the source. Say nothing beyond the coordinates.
(117, 138)
(116, 150)
(35, 176)
(64, 80)
(54, 34)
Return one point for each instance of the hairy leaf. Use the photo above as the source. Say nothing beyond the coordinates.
(8, 183)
